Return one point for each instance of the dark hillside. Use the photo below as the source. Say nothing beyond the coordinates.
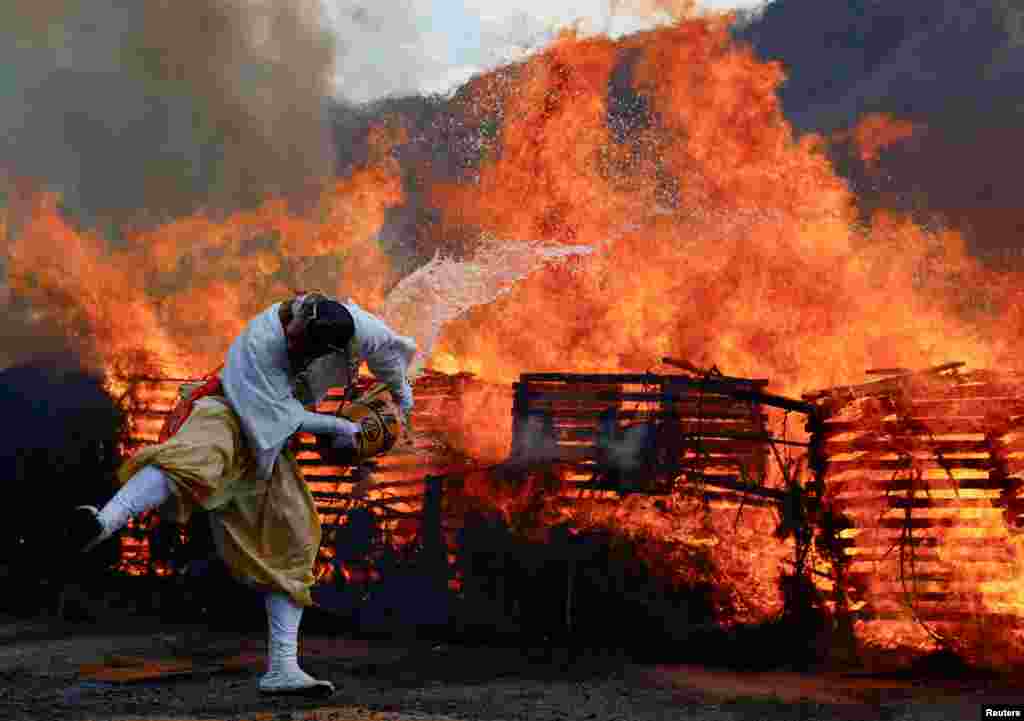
(953, 69)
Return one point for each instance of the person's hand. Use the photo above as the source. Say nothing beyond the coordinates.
(345, 438)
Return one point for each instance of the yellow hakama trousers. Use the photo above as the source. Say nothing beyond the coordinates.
(270, 529)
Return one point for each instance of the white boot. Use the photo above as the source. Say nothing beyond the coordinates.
(146, 490)
(87, 527)
(283, 674)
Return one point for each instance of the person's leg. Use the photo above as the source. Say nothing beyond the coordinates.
(146, 490)
(283, 673)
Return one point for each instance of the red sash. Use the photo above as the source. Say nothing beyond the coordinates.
(210, 387)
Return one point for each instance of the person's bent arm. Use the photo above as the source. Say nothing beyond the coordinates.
(387, 355)
(390, 365)
(322, 424)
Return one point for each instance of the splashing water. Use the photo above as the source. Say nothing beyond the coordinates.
(445, 288)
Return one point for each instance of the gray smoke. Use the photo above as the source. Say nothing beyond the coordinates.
(397, 48)
(148, 110)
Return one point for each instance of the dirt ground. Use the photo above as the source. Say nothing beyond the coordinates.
(141, 668)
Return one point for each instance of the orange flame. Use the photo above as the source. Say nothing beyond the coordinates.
(170, 300)
(722, 239)
(877, 131)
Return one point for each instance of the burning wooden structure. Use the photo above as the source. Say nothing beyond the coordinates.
(902, 504)
(921, 474)
(700, 434)
(612, 435)
(642, 432)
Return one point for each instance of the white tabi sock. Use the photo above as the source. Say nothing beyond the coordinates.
(283, 672)
(143, 492)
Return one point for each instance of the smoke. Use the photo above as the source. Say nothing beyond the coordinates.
(952, 69)
(172, 117)
(385, 52)
(400, 48)
(24, 339)
(144, 111)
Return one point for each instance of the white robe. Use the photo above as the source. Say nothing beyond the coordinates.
(386, 353)
(260, 385)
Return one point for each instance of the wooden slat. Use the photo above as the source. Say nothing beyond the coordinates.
(994, 391)
(945, 406)
(926, 523)
(852, 504)
(681, 414)
(588, 452)
(944, 547)
(731, 482)
(585, 395)
(150, 414)
(996, 551)
(385, 514)
(690, 426)
(732, 498)
(601, 401)
(894, 464)
(980, 549)
(918, 597)
(881, 445)
(704, 445)
(725, 382)
(886, 386)
(309, 464)
(1008, 447)
(326, 498)
(377, 503)
(617, 394)
(903, 436)
(839, 486)
(886, 558)
(389, 514)
(388, 485)
(938, 614)
(935, 426)
(381, 480)
(575, 453)
(879, 576)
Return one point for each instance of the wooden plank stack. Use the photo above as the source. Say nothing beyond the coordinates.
(666, 427)
(924, 466)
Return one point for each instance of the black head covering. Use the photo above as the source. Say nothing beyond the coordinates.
(330, 327)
